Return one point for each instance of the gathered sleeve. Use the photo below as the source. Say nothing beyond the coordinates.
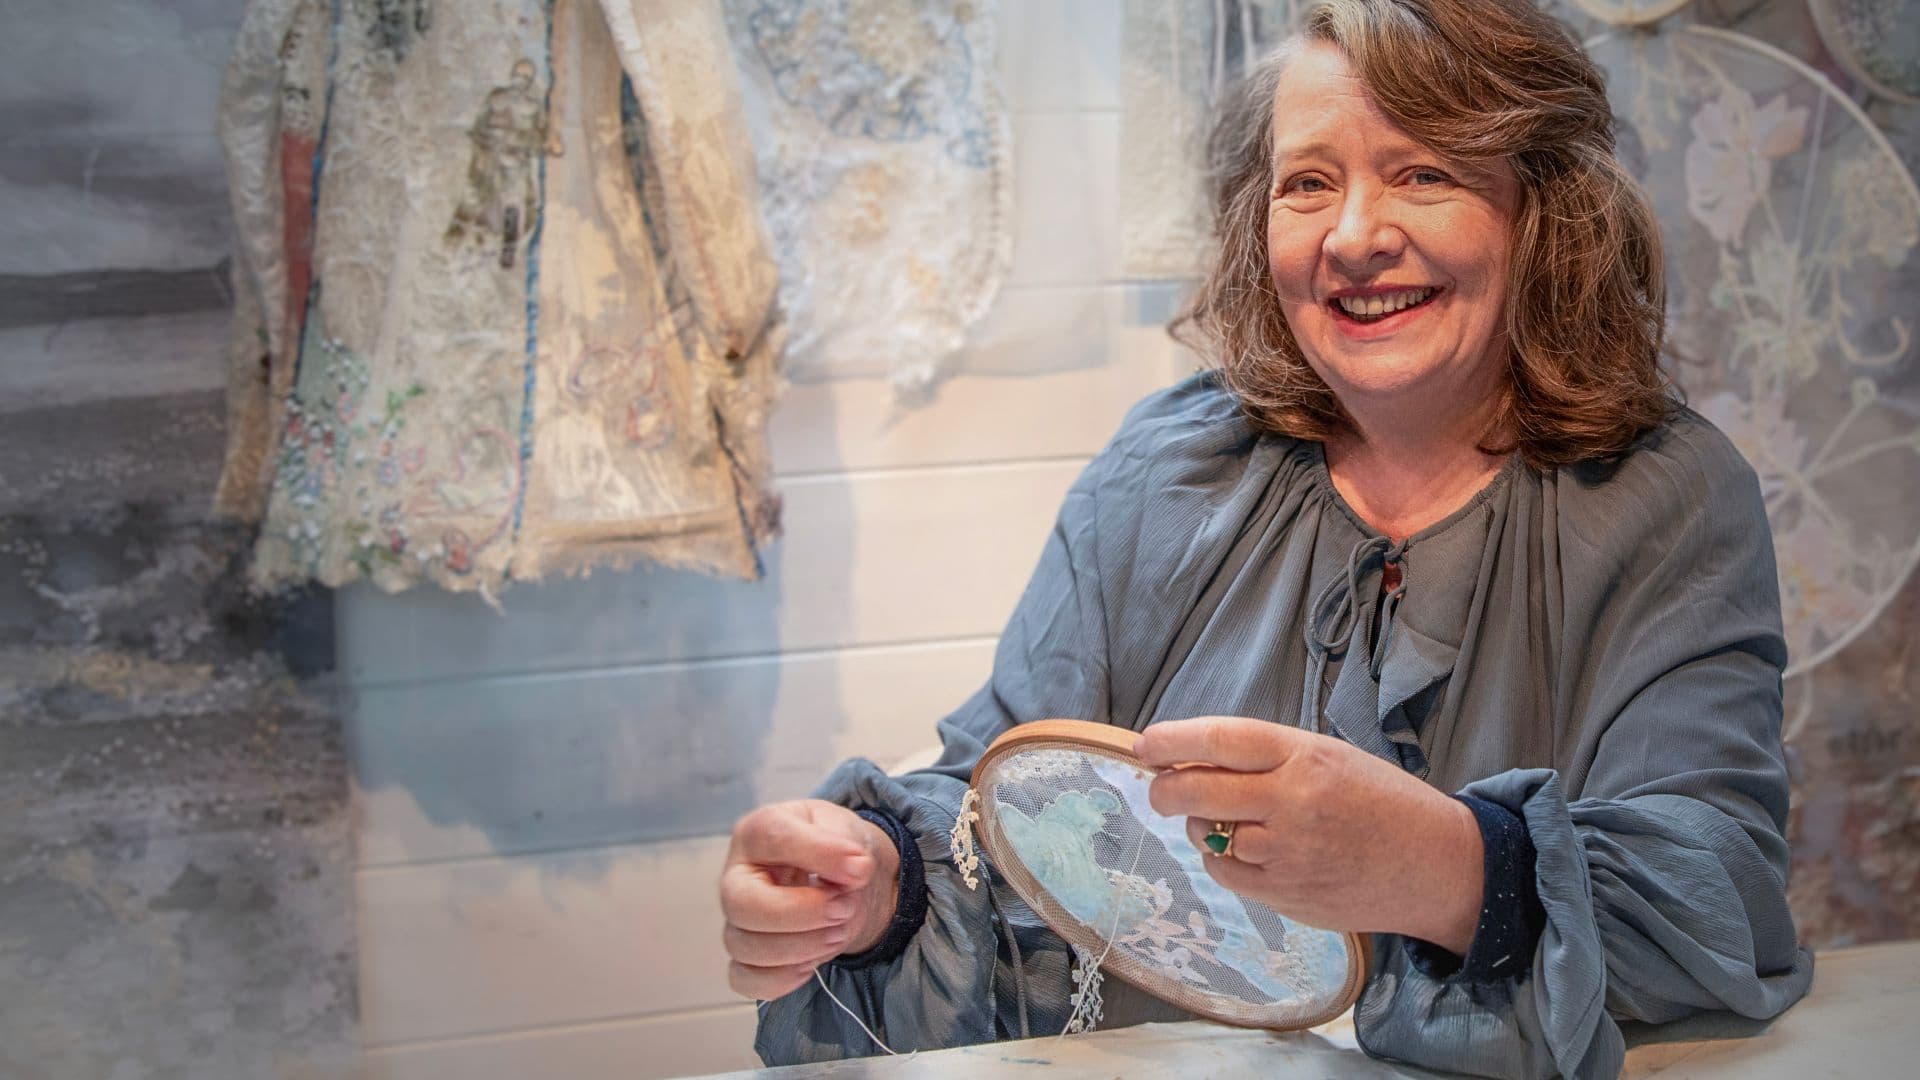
(1659, 832)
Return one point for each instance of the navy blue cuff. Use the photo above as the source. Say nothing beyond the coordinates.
(911, 909)
(1511, 918)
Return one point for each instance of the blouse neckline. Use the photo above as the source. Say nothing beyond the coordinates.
(1323, 478)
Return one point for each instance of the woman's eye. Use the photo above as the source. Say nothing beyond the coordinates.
(1426, 177)
(1309, 185)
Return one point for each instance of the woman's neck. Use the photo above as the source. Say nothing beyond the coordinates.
(1401, 475)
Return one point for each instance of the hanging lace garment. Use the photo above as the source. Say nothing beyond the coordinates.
(1876, 41)
(505, 305)
(886, 173)
(1177, 59)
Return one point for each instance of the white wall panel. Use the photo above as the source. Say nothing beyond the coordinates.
(1057, 370)
(484, 945)
(491, 766)
(671, 1044)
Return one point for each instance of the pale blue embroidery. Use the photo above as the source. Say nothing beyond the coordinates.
(1057, 847)
(1240, 945)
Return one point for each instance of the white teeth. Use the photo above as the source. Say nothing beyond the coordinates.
(1374, 306)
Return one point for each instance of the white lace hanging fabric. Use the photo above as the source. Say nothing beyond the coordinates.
(1790, 228)
(506, 302)
(887, 176)
(1060, 810)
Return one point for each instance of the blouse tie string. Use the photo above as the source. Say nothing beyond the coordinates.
(1336, 614)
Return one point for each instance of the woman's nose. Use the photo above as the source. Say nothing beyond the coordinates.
(1363, 238)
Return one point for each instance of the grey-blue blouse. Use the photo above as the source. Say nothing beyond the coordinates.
(1598, 650)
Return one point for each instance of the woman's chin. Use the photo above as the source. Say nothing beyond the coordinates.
(1384, 380)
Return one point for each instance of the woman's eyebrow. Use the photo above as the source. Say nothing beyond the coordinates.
(1397, 150)
(1312, 148)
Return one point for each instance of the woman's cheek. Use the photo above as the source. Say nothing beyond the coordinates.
(1292, 252)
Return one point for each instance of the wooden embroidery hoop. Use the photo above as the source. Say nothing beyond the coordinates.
(1105, 740)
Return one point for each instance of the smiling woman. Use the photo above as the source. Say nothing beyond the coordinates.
(1389, 262)
(1390, 259)
(1436, 139)
(1439, 617)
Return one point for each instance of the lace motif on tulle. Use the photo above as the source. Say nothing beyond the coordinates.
(886, 174)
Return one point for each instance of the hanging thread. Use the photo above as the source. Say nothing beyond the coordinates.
(856, 1016)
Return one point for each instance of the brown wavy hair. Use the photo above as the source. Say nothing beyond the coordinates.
(1475, 80)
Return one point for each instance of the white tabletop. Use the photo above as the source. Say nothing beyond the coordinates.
(1862, 1019)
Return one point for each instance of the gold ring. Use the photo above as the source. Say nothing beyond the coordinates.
(1220, 839)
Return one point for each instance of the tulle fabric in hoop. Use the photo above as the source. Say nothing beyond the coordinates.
(1063, 817)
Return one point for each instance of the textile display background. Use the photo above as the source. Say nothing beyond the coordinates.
(1778, 142)
(886, 171)
(506, 307)
(1785, 188)
(1178, 59)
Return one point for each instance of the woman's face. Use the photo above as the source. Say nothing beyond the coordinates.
(1390, 260)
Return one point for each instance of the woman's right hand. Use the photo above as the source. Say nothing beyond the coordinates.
(805, 881)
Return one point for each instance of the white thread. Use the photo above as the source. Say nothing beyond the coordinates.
(856, 1017)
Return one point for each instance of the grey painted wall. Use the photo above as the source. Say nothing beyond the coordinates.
(175, 871)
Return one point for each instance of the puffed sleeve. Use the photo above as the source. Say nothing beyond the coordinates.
(1661, 857)
(982, 966)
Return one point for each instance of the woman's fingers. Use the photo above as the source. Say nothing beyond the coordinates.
(795, 867)
(1240, 876)
(816, 837)
(765, 984)
(1253, 843)
(752, 898)
(1227, 742)
(807, 947)
(1203, 791)
(794, 891)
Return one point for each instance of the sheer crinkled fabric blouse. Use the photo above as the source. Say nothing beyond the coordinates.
(1597, 651)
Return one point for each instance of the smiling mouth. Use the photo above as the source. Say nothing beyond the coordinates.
(1373, 309)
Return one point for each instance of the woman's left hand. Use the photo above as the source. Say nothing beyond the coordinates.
(1324, 832)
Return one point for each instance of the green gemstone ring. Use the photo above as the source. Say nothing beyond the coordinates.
(1220, 839)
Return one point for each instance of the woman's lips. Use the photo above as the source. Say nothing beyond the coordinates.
(1382, 326)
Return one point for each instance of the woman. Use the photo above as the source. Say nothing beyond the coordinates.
(1436, 525)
